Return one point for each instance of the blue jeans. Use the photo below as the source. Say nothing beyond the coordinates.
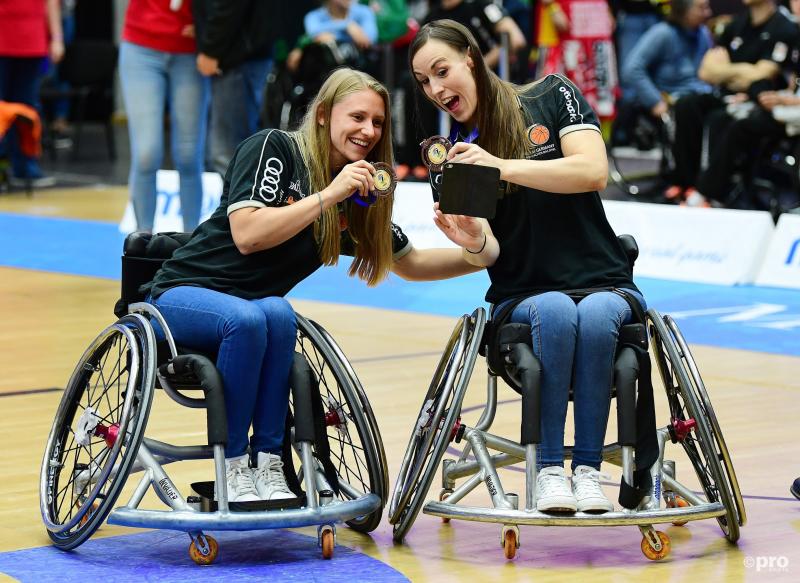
(236, 98)
(254, 341)
(150, 79)
(576, 345)
(19, 83)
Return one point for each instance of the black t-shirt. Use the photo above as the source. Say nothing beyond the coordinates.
(548, 241)
(772, 40)
(267, 170)
(479, 16)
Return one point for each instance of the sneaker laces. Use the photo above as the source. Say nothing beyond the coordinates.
(271, 473)
(551, 483)
(242, 478)
(587, 483)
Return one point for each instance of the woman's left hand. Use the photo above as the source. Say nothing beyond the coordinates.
(465, 153)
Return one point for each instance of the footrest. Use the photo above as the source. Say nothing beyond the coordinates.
(207, 503)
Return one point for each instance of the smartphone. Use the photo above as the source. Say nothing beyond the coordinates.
(469, 189)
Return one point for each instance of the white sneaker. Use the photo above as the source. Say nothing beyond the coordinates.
(587, 490)
(553, 493)
(270, 480)
(239, 477)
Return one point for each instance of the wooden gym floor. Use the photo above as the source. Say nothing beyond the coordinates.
(48, 319)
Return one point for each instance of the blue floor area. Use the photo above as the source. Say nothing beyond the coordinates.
(271, 555)
(743, 317)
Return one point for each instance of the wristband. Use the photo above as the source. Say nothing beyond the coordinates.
(479, 251)
(321, 209)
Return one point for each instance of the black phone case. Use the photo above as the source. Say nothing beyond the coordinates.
(469, 189)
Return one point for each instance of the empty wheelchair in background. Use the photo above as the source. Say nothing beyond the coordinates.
(98, 436)
(650, 494)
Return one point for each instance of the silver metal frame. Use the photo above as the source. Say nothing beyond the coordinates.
(152, 455)
(484, 453)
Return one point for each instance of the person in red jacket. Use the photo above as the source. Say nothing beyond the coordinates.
(157, 69)
(30, 31)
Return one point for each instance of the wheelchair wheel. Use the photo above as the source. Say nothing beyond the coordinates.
(436, 423)
(97, 431)
(355, 442)
(688, 400)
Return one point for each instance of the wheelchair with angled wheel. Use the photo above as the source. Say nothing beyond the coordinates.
(650, 493)
(98, 436)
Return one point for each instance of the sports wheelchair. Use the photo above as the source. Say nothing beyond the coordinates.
(98, 436)
(647, 476)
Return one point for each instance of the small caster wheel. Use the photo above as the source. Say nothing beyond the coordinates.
(510, 543)
(444, 495)
(326, 540)
(653, 554)
(204, 556)
(678, 502)
(89, 513)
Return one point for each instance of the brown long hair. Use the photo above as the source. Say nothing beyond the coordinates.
(369, 226)
(500, 121)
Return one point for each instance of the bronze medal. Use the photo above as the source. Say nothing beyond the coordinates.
(434, 152)
(385, 180)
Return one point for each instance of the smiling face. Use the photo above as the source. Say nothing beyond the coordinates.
(356, 126)
(445, 76)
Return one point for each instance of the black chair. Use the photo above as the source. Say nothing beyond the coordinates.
(88, 68)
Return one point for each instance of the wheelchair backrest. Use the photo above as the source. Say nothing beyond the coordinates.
(143, 254)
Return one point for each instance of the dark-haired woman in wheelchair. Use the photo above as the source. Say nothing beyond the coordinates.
(288, 206)
(550, 235)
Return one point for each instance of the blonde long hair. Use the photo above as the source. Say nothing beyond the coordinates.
(369, 226)
(500, 120)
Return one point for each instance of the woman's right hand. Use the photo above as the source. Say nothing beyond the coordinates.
(353, 178)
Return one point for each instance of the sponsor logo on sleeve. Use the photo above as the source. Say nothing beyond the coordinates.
(569, 103)
(270, 179)
(538, 134)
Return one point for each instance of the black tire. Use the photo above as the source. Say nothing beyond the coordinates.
(687, 398)
(358, 456)
(440, 411)
(111, 386)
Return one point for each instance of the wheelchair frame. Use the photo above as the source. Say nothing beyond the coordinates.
(693, 424)
(91, 486)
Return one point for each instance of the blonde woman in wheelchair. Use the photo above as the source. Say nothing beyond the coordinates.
(291, 203)
(550, 235)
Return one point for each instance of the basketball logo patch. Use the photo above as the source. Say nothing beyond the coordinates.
(538, 134)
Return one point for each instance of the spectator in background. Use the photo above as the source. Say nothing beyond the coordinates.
(485, 20)
(772, 116)
(666, 59)
(157, 67)
(752, 50)
(234, 42)
(60, 125)
(343, 23)
(632, 18)
(391, 17)
(30, 31)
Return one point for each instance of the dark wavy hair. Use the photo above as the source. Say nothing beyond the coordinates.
(500, 121)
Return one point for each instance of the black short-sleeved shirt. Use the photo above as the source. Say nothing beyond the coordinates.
(267, 170)
(479, 16)
(548, 241)
(772, 40)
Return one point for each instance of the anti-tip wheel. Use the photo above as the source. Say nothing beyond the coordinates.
(326, 540)
(678, 502)
(207, 555)
(510, 544)
(653, 554)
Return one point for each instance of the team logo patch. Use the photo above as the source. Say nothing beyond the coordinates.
(538, 134)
